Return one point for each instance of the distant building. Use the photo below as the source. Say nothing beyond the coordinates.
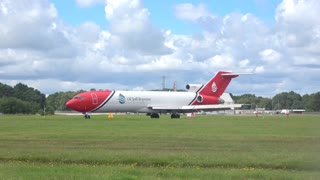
(294, 111)
(298, 111)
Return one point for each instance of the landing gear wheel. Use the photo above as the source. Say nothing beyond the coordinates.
(175, 115)
(86, 116)
(154, 115)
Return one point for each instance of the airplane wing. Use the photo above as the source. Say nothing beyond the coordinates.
(195, 108)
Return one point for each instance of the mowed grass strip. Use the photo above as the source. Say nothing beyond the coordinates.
(137, 146)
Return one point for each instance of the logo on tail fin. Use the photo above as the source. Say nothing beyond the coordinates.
(214, 87)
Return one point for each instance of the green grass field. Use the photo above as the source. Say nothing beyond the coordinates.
(137, 147)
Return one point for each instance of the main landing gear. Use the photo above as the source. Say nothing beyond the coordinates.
(156, 115)
(175, 115)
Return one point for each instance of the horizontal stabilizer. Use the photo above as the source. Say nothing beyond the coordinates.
(233, 75)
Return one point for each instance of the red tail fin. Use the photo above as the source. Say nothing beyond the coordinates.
(218, 84)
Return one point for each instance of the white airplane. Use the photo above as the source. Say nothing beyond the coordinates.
(198, 98)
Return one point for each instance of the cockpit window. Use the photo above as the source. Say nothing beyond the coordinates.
(78, 98)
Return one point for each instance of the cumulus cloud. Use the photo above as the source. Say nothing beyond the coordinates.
(299, 24)
(220, 61)
(35, 43)
(197, 14)
(163, 63)
(302, 12)
(244, 63)
(192, 12)
(28, 29)
(274, 53)
(270, 56)
(88, 3)
(132, 28)
(88, 32)
(38, 48)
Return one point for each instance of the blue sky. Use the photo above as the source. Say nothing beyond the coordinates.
(68, 45)
(162, 12)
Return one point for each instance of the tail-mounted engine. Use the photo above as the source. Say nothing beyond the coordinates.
(204, 99)
(193, 87)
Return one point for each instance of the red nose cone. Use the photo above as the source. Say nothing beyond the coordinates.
(69, 104)
(76, 105)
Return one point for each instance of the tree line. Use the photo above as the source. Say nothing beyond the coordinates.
(27, 100)
(20, 99)
(284, 100)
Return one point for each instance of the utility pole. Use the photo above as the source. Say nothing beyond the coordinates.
(163, 82)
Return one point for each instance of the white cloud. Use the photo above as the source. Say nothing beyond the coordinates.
(88, 32)
(132, 28)
(270, 56)
(191, 12)
(259, 69)
(299, 12)
(88, 3)
(164, 63)
(220, 62)
(244, 63)
(307, 61)
(38, 48)
(298, 22)
(197, 14)
(27, 24)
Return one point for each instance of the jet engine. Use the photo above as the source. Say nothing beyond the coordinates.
(193, 87)
(204, 99)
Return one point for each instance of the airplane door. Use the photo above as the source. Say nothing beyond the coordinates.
(94, 98)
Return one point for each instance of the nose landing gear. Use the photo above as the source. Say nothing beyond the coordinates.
(86, 116)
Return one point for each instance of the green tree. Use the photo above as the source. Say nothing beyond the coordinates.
(12, 105)
(6, 91)
(281, 101)
(316, 101)
(294, 100)
(25, 93)
(307, 102)
(287, 100)
(250, 101)
(264, 103)
(20, 99)
(312, 101)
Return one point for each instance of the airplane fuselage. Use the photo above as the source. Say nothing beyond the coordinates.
(198, 97)
(143, 101)
(135, 101)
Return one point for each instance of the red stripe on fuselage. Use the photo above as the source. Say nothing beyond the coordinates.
(105, 101)
(89, 101)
